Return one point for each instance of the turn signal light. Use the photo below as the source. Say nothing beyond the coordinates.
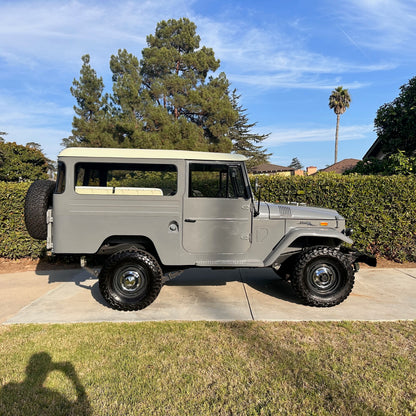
(324, 224)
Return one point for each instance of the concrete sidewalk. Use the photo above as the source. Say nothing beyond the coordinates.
(200, 294)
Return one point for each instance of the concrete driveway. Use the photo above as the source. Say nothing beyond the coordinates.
(200, 294)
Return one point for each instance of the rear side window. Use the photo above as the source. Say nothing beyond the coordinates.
(209, 180)
(126, 179)
(60, 179)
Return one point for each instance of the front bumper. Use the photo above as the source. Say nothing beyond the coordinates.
(359, 257)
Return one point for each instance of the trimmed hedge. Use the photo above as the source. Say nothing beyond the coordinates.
(15, 242)
(380, 209)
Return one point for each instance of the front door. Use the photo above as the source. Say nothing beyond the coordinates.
(217, 209)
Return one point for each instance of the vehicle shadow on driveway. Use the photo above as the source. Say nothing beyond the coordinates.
(264, 281)
(83, 278)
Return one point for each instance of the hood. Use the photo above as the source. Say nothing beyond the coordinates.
(277, 211)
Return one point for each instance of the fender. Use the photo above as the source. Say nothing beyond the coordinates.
(295, 233)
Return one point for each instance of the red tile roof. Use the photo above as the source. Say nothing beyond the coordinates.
(342, 166)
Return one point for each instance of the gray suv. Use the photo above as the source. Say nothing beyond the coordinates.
(145, 215)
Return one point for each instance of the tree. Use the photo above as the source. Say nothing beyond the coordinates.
(170, 99)
(339, 101)
(90, 125)
(34, 145)
(127, 106)
(21, 163)
(185, 101)
(295, 164)
(395, 122)
(244, 141)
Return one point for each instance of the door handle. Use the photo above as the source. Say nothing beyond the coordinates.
(189, 220)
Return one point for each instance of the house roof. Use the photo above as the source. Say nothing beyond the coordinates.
(342, 166)
(270, 168)
(374, 150)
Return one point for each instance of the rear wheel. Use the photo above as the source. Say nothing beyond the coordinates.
(130, 280)
(323, 276)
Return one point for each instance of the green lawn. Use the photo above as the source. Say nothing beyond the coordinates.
(209, 368)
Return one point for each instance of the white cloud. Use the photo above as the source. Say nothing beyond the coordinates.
(306, 135)
(292, 81)
(257, 57)
(387, 25)
(49, 31)
(36, 33)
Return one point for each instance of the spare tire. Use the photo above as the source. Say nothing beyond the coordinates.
(38, 200)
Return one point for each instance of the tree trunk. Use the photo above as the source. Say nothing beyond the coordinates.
(336, 139)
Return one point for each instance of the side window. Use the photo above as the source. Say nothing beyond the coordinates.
(61, 178)
(212, 180)
(126, 179)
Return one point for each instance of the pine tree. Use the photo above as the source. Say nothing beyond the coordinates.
(127, 104)
(185, 104)
(245, 142)
(170, 99)
(295, 164)
(90, 124)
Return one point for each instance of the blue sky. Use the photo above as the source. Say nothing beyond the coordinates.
(283, 57)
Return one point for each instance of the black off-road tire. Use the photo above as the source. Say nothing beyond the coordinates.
(323, 276)
(130, 280)
(38, 200)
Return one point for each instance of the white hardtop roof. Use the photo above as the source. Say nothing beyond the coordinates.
(147, 154)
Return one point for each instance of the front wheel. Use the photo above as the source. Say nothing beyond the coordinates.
(323, 276)
(130, 280)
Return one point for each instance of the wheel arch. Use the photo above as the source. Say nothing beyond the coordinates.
(298, 238)
(117, 243)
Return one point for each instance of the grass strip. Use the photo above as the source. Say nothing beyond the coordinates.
(207, 368)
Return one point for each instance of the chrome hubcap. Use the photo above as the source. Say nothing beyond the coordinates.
(323, 278)
(130, 280)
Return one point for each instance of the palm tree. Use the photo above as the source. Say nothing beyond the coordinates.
(339, 101)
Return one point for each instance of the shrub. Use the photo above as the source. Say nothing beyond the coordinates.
(19, 162)
(381, 210)
(15, 242)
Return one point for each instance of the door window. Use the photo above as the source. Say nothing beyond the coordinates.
(209, 180)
